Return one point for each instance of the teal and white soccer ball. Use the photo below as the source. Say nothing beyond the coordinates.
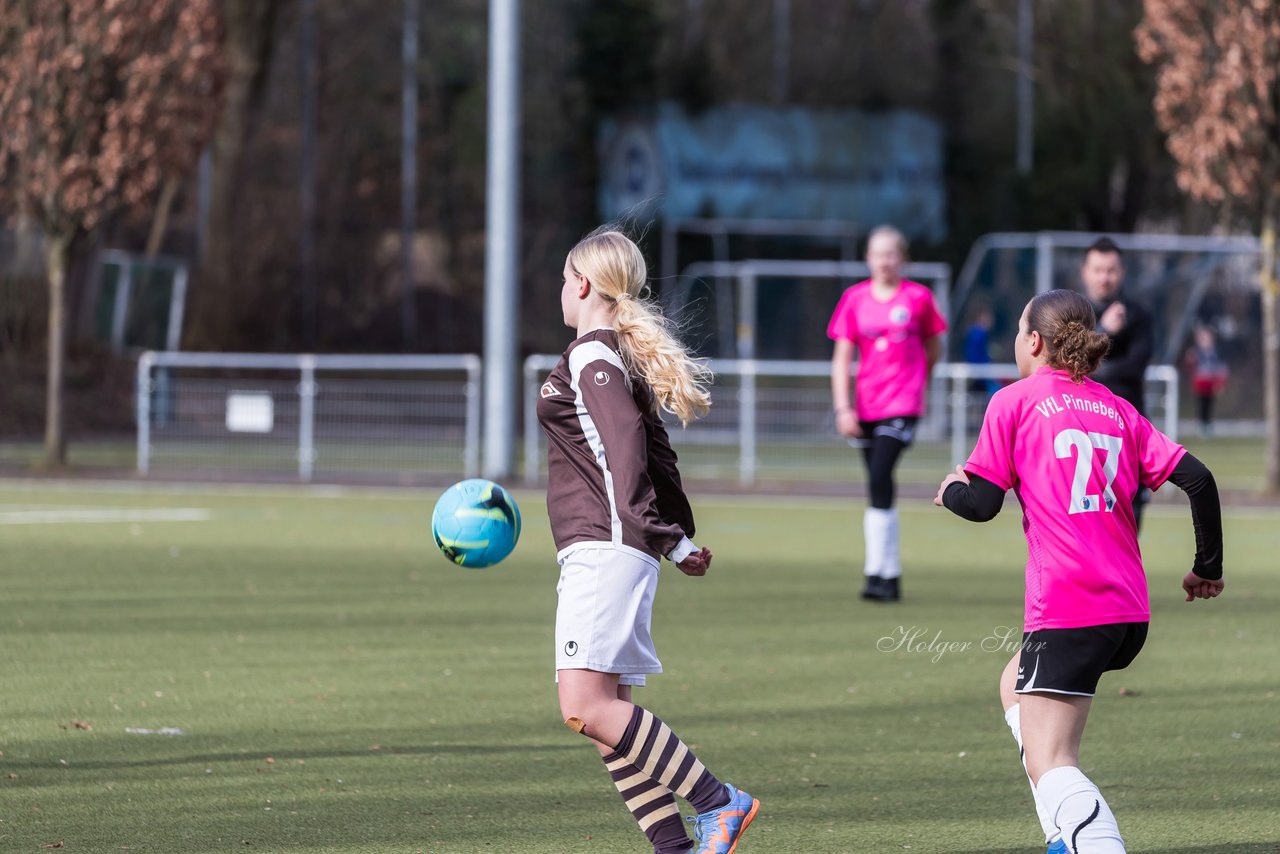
(476, 523)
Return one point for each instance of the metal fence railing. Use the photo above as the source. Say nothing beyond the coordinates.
(385, 417)
(773, 419)
(398, 418)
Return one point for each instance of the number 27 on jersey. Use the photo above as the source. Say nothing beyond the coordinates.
(1084, 444)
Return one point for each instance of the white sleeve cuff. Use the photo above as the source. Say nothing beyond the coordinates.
(683, 549)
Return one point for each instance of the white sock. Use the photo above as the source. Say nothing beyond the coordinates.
(1080, 812)
(892, 566)
(1013, 717)
(876, 524)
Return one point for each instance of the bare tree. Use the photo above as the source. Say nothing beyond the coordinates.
(1217, 90)
(101, 103)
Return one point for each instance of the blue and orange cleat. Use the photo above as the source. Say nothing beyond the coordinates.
(718, 831)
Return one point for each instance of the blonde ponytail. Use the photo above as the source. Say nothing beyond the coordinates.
(651, 351)
(615, 267)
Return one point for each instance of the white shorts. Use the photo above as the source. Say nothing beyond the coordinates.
(604, 611)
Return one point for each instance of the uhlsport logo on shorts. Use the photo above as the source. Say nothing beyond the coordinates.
(571, 648)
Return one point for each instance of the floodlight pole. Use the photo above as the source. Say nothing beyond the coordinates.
(308, 173)
(502, 240)
(1026, 93)
(204, 198)
(408, 172)
(781, 50)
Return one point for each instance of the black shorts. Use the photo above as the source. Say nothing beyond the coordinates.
(1071, 661)
(902, 428)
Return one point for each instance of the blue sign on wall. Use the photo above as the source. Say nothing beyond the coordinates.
(792, 163)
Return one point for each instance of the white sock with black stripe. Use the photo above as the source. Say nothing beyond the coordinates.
(1079, 811)
(1013, 717)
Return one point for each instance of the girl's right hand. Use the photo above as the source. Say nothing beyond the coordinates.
(847, 424)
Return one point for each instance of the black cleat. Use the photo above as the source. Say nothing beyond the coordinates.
(881, 589)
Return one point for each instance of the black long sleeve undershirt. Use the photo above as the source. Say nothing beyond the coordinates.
(1195, 479)
(980, 501)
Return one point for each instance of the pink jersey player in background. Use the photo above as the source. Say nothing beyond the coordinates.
(895, 328)
(1075, 454)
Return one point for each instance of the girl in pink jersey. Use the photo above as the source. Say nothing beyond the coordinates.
(895, 328)
(1075, 454)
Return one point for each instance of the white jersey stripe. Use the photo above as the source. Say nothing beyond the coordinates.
(583, 355)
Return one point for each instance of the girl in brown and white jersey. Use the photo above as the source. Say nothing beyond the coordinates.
(617, 507)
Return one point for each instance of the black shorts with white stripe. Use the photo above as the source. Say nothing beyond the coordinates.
(1071, 661)
(902, 428)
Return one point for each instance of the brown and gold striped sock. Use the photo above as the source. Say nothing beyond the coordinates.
(652, 805)
(659, 754)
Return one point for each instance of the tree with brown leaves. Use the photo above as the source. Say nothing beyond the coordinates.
(1217, 92)
(101, 103)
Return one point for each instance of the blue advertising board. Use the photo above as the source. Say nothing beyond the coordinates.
(749, 161)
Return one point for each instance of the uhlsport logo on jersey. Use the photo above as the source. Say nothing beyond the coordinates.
(899, 315)
(548, 390)
(602, 377)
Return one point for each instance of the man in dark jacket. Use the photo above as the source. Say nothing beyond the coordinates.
(1129, 327)
(1126, 322)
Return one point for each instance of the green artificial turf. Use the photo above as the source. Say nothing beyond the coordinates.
(341, 688)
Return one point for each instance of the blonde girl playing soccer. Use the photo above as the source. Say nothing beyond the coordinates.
(1075, 454)
(617, 507)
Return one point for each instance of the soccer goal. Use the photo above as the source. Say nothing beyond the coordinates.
(140, 300)
(771, 304)
(1184, 281)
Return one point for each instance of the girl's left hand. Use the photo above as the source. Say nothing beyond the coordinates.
(1201, 588)
(957, 476)
(697, 563)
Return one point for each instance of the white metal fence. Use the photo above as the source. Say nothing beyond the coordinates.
(773, 419)
(383, 417)
(405, 417)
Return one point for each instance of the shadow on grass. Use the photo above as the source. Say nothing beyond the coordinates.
(281, 756)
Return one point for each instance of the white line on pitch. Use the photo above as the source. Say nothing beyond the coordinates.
(60, 517)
